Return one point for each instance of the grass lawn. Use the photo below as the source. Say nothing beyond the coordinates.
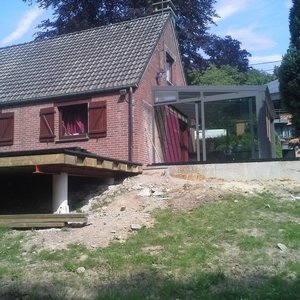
(221, 250)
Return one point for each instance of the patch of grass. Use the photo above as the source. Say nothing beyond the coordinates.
(10, 253)
(10, 245)
(249, 243)
(291, 235)
(193, 244)
(294, 266)
(214, 286)
(222, 250)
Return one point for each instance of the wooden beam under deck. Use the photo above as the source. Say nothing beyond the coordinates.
(73, 162)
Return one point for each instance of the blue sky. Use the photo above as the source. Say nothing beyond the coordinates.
(261, 26)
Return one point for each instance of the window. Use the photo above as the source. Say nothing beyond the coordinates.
(73, 121)
(6, 129)
(76, 121)
(84, 120)
(169, 64)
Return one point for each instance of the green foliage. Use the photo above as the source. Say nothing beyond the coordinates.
(228, 75)
(295, 23)
(289, 71)
(224, 75)
(278, 147)
(226, 51)
(289, 84)
(257, 77)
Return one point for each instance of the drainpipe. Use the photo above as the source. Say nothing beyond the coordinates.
(130, 124)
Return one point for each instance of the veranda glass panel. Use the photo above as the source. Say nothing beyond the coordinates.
(231, 130)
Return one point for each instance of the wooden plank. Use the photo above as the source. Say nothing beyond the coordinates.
(70, 159)
(31, 160)
(69, 216)
(33, 224)
(106, 164)
(41, 220)
(90, 162)
(122, 167)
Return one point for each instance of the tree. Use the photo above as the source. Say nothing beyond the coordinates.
(224, 75)
(192, 21)
(227, 51)
(228, 75)
(289, 71)
(257, 77)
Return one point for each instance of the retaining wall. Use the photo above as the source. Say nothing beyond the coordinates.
(242, 171)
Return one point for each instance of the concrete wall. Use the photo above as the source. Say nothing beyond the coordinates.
(243, 171)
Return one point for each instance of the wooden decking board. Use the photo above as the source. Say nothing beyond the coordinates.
(41, 220)
(30, 225)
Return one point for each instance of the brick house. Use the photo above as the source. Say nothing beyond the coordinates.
(90, 89)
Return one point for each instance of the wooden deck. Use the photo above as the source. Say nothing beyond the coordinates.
(74, 161)
(42, 220)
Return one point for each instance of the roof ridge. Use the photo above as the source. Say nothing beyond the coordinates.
(85, 30)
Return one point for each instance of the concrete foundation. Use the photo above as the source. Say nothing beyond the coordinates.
(281, 170)
(60, 193)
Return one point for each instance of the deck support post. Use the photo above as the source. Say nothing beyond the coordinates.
(60, 193)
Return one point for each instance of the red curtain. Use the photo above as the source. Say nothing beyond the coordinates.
(74, 121)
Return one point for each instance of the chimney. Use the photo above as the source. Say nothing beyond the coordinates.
(164, 6)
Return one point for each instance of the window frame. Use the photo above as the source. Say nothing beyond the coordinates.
(60, 126)
(96, 120)
(169, 68)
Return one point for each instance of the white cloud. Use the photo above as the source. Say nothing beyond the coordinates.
(251, 38)
(227, 8)
(288, 3)
(23, 25)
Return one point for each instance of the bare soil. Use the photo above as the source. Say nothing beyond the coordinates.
(114, 211)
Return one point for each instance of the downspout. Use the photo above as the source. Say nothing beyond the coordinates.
(130, 124)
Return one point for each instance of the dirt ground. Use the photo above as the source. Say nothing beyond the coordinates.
(115, 211)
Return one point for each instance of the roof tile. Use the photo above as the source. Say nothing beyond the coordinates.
(106, 57)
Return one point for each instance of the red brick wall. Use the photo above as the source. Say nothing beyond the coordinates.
(27, 129)
(145, 149)
(115, 145)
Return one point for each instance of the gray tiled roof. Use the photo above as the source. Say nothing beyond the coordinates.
(273, 86)
(103, 58)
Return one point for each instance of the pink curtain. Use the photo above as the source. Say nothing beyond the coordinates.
(74, 122)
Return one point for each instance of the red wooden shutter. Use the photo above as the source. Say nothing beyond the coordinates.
(97, 119)
(6, 129)
(47, 124)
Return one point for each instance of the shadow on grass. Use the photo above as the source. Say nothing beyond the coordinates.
(202, 286)
(150, 285)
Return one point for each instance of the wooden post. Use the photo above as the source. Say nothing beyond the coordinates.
(60, 193)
